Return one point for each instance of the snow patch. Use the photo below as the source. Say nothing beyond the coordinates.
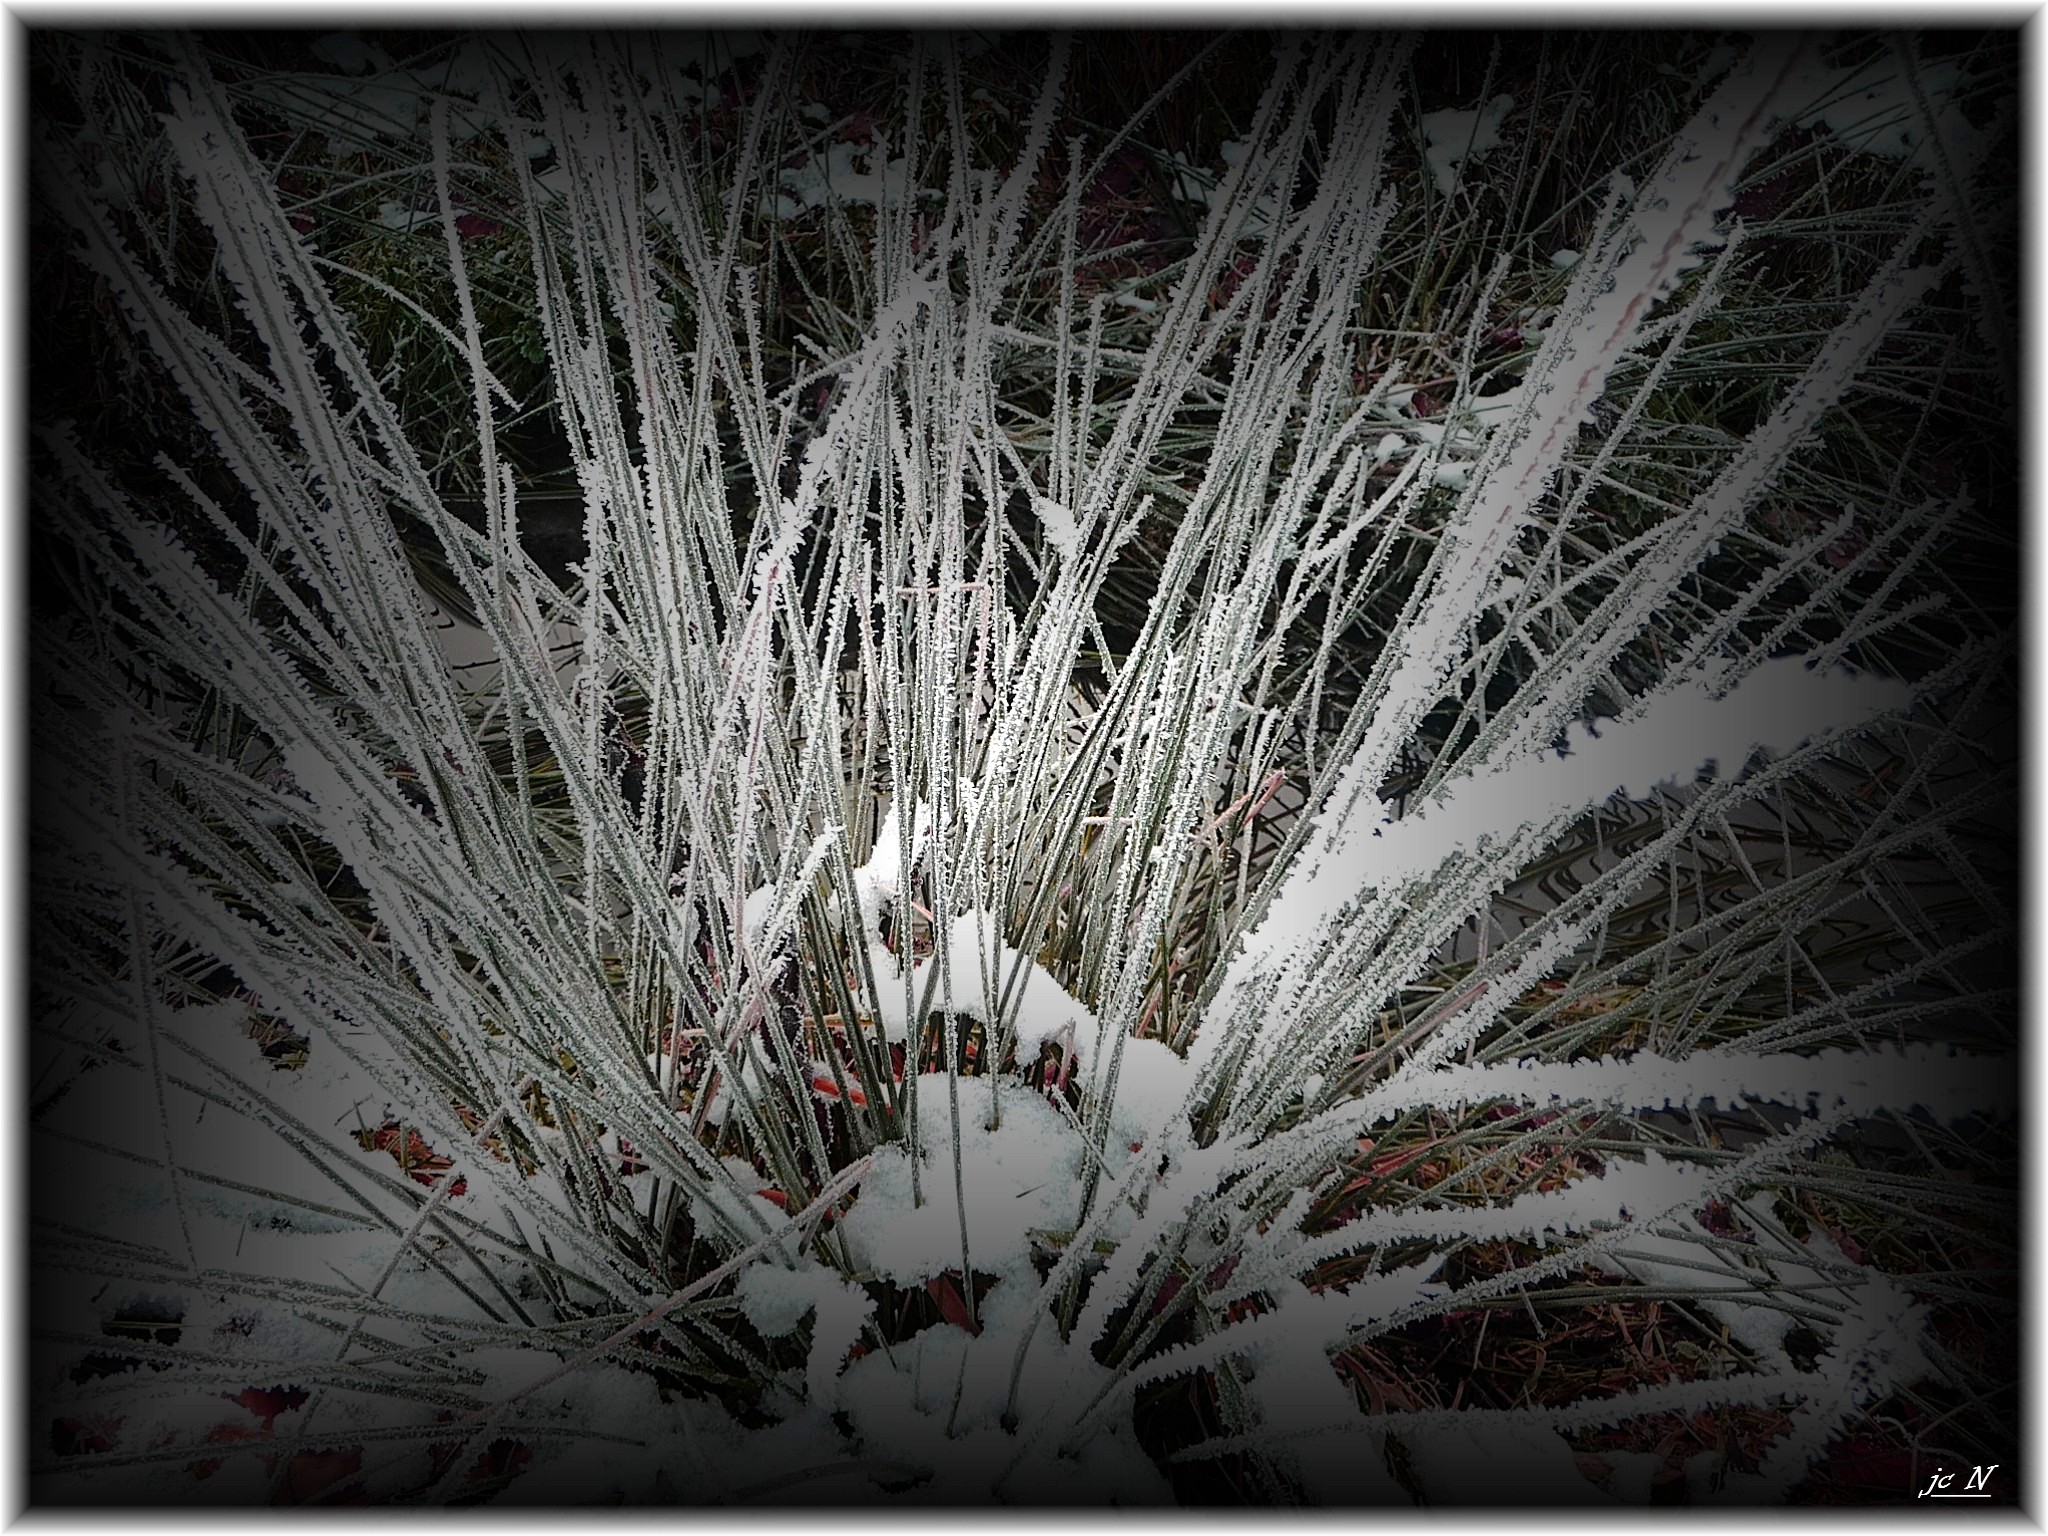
(1456, 137)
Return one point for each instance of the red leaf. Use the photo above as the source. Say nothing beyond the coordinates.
(1169, 1288)
(826, 1088)
(1865, 1461)
(947, 1295)
(266, 1403)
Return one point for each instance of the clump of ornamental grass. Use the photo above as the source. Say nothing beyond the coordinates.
(792, 773)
